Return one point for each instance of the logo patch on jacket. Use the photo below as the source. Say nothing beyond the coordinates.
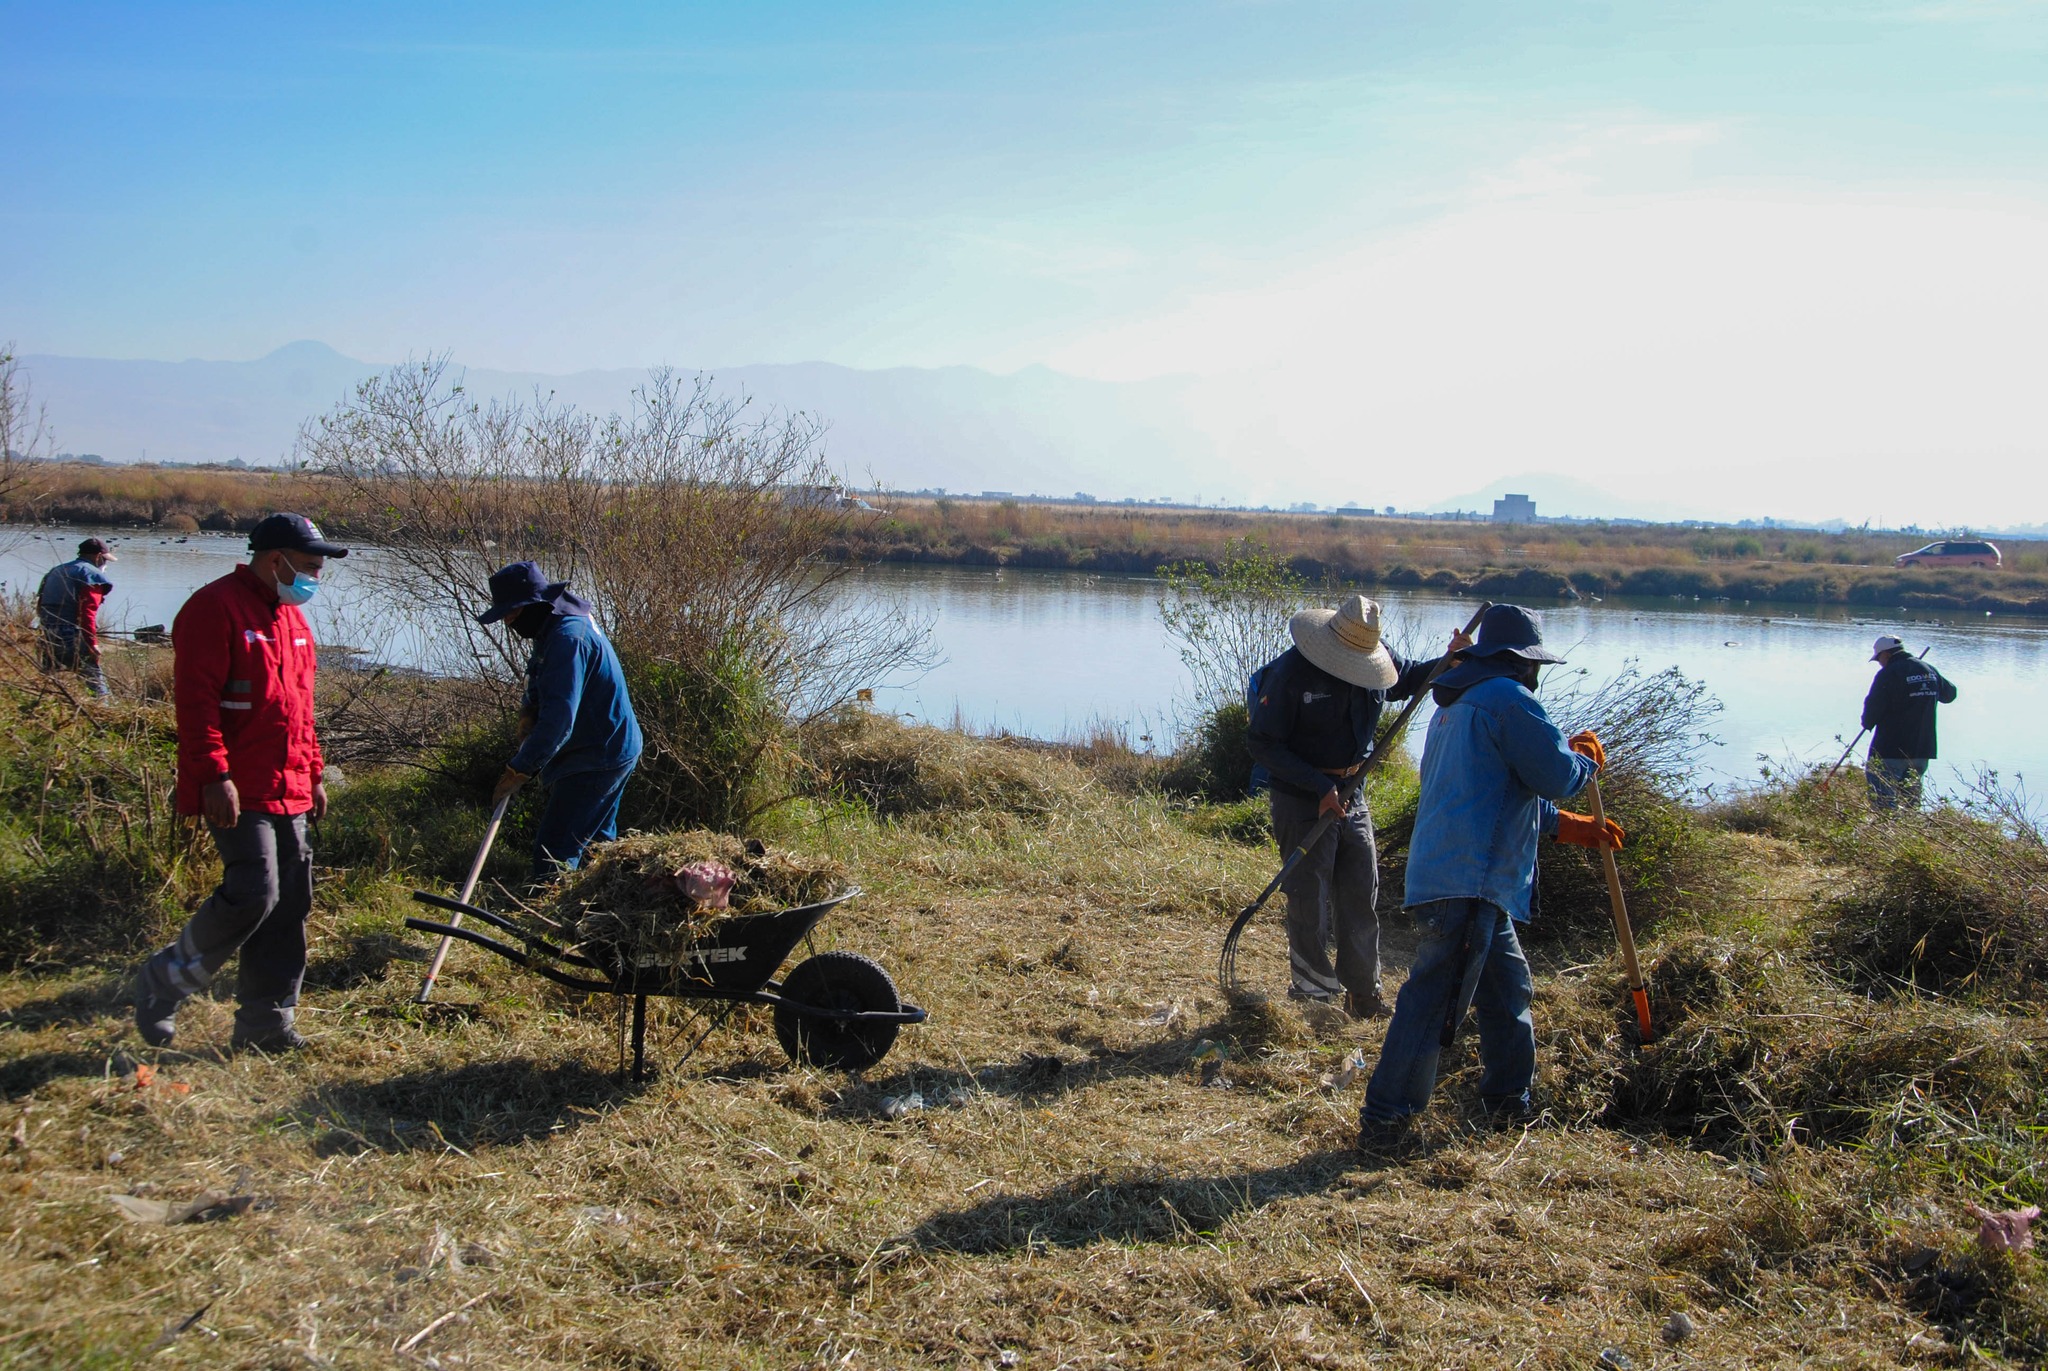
(253, 636)
(1309, 697)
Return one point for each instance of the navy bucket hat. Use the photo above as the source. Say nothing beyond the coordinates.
(1510, 628)
(516, 586)
(1504, 631)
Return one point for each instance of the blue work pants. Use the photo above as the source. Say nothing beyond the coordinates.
(582, 808)
(1456, 935)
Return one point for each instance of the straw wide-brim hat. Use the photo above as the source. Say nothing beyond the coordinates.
(1345, 642)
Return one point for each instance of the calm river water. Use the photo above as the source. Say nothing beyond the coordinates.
(1052, 653)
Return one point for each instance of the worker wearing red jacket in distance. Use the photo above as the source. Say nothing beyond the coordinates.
(249, 762)
(68, 613)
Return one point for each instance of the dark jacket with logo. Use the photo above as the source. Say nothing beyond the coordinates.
(1306, 723)
(1900, 707)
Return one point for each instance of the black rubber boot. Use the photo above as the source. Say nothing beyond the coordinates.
(272, 1041)
(155, 1016)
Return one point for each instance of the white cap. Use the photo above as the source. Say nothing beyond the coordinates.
(1885, 643)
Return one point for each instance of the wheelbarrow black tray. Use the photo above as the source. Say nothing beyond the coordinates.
(734, 962)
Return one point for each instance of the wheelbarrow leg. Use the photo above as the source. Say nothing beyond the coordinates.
(639, 1037)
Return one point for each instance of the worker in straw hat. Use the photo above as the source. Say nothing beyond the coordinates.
(1314, 711)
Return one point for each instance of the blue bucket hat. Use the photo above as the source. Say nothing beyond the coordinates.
(516, 586)
(1510, 628)
(1504, 630)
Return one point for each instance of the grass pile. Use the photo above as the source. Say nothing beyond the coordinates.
(625, 894)
(1950, 902)
(896, 768)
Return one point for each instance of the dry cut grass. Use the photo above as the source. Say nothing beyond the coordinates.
(1104, 1164)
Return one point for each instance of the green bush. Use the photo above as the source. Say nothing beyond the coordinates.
(94, 861)
(719, 750)
(1215, 763)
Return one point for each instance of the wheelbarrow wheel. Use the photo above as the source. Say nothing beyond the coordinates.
(851, 984)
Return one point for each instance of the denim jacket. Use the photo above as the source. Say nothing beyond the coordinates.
(1492, 765)
(577, 691)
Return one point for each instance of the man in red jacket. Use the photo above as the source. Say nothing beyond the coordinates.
(249, 762)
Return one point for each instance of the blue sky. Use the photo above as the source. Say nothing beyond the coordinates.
(1501, 209)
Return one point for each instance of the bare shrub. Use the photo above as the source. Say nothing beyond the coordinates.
(1653, 725)
(697, 525)
(25, 437)
(1231, 619)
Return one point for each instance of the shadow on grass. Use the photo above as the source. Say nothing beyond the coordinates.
(1142, 1208)
(484, 1104)
(38, 1069)
(361, 958)
(1044, 1076)
(98, 999)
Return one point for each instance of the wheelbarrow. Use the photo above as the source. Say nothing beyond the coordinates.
(835, 1010)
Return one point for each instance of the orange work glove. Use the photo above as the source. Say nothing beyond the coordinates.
(1587, 744)
(1581, 831)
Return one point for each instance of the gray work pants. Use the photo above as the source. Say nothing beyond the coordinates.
(1330, 894)
(1895, 781)
(259, 910)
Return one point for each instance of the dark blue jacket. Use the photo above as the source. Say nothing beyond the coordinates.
(1900, 707)
(577, 692)
(1306, 723)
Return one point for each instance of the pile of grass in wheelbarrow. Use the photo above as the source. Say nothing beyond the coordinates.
(626, 893)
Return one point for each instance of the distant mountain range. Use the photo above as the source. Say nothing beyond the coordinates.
(1034, 431)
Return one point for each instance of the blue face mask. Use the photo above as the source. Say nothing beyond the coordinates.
(298, 590)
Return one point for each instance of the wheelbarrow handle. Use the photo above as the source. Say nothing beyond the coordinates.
(476, 870)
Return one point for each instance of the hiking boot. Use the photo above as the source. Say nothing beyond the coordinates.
(155, 1015)
(1296, 992)
(1370, 1006)
(1516, 1111)
(272, 1041)
(1385, 1141)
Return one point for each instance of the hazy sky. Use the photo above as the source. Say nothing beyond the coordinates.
(1782, 247)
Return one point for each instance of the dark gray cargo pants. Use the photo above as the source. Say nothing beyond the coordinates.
(1331, 894)
(259, 909)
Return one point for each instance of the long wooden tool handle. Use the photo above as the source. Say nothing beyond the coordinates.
(1622, 932)
(476, 870)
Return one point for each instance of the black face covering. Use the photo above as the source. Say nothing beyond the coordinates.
(529, 622)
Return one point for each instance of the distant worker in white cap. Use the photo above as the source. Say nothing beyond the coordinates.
(1314, 711)
(1899, 711)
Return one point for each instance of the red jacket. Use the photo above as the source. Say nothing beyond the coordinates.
(244, 690)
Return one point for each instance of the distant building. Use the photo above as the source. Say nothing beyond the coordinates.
(1355, 511)
(1514, 509)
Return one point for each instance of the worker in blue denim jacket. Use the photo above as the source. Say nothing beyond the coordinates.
(1493, 767)
(577, 729)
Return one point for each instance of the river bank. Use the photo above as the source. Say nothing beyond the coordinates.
(1108, 1161)
(1534, 563)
